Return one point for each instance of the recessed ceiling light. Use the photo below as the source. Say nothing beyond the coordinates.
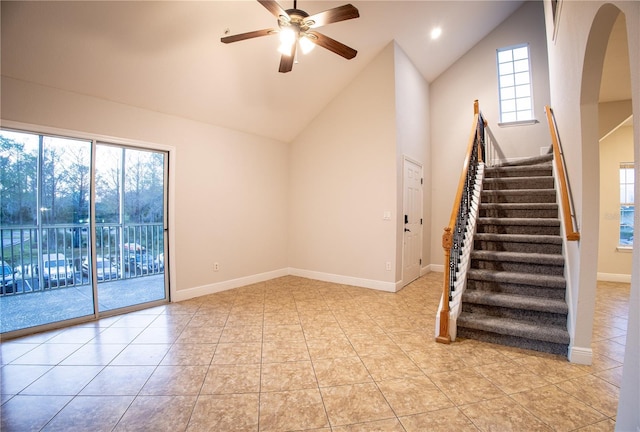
(436, 32)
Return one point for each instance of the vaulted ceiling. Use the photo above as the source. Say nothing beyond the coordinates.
(167, 56)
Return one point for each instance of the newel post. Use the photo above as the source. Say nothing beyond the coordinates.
(447, 242)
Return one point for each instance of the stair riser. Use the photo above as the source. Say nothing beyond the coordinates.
(513, 341)
(498, 197)
(517, 229)
(519, 267)
(519, 213)
(519, 289)
(518, 183)
(536, 317)
(545, 248)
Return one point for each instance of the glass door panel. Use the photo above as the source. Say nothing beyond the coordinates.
(44, 216)
(130, 221)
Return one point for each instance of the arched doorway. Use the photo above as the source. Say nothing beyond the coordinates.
(596, 80)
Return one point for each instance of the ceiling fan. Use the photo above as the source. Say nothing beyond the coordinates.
(296, 27)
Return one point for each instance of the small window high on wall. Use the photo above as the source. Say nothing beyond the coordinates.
(627, 207)
(514, 84)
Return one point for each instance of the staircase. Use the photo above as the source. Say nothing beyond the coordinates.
(515, 293)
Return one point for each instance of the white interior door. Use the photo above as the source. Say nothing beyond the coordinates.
(412, 220)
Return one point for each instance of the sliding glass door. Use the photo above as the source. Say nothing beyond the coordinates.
(130, 241)
(83, 229)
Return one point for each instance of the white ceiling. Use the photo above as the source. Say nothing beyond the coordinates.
(167, 56)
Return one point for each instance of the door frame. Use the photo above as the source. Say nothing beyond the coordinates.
(408, 160)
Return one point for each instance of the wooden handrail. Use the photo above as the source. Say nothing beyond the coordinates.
(569, 227)
(447, 236)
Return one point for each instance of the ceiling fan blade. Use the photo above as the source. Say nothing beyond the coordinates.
(286, 61)
(275, 9)
(332, 45)
(249, 35)
(341, 13)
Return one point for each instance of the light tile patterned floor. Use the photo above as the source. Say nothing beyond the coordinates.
(296, 354)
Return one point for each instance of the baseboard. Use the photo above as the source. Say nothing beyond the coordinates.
(436, 268)
(580, 355)
(190, 293)
(180, 295)
(346, 280)
(431, 268)
(614, 277)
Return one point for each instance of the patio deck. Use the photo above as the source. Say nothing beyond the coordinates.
(42, 307)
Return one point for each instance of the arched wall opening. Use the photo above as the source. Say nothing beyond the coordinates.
(590, 103)
(589, 230)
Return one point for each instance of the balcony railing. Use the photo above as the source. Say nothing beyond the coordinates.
(54, 256)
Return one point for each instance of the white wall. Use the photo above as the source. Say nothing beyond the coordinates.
(474, 76)
(576, 57)
(613, 264)
(343, 179)
(412, 125)
(230, 190)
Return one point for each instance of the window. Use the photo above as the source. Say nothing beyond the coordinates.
(514, 84)
(626, 204)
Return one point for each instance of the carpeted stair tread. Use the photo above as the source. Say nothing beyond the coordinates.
(528, 243)
(514, 327)
(514, 341)
(519, 238)
(519, 221)
(558, 306)
(518, 196)
(537, 206)
(532, 171)
(518, 183)
(548, 281)
(536, 258)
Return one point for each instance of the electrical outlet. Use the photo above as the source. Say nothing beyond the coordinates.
(388, 266)
(216, 266)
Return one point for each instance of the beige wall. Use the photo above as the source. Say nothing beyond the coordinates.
(346, 172)
(611, 115)
(230, 189)
(474, 76)
(343, 179)
(613, 264)
(412, 131)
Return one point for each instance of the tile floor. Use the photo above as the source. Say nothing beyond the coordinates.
(296, 354)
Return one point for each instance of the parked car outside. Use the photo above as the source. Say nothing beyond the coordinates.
(105, 270)
(140, 263)
(57, 270)
(159, 262)
(7, 279)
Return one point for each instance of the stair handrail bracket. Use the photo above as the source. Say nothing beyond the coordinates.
(456, 239)
(566, 200)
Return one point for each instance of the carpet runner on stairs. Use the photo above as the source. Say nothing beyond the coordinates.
(515, 293)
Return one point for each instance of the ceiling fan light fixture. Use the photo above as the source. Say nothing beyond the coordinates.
(297, 29)
(305, 44)
(287, 39)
